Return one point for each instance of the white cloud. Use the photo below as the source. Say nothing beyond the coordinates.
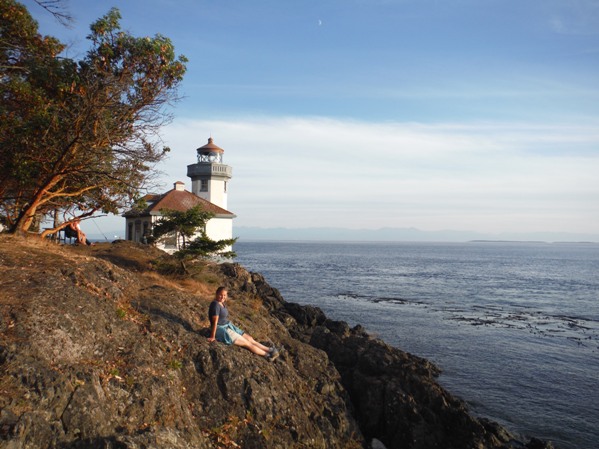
(303, 172)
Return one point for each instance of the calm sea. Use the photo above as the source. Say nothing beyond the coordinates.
(513, 326)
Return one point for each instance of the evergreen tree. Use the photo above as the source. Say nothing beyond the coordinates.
(182, 226)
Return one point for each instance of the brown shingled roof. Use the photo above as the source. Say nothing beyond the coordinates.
(179, 200)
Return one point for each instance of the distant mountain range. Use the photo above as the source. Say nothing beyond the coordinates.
(402, 234)
(383, 235)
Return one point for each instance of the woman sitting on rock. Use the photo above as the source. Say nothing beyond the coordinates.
(223, 330)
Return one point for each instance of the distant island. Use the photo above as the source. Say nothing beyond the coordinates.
(507, 241)
(405, 235)
(338, 234)
(530, 241)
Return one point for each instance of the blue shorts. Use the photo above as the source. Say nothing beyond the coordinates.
(228, 333)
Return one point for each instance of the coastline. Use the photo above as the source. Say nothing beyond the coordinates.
(494, 317)
(397, 399)
(99, 349)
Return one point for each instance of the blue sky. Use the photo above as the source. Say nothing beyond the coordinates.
(477, 115)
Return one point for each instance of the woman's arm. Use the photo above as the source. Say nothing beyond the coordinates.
(213, 322)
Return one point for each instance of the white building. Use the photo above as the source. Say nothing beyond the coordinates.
(209, 184)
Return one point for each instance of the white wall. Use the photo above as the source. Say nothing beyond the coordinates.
(220, 228)
(217, 194)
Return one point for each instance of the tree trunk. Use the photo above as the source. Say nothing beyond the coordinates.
(27, 215)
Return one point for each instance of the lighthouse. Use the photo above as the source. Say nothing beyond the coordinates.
(209, 179)
(210, 176)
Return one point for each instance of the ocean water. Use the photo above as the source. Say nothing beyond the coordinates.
(513, 326)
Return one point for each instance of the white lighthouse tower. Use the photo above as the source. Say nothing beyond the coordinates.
(209, 176)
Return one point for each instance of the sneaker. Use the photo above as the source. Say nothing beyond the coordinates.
(271, 356)
(273, 350)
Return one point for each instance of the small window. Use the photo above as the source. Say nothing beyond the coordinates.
(225, 186)
(204, 185)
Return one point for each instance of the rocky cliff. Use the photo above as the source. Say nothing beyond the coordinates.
(105, 347)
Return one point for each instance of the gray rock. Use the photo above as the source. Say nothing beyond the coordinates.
(99, 350)
(98, 355)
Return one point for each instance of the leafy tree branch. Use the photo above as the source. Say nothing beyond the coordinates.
(81, 132)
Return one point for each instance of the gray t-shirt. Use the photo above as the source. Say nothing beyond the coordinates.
(220, 310)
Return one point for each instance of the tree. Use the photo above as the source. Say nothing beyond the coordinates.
(79, 136)
(204, 246)
(180, 224)
(57, 9)
(183, 225)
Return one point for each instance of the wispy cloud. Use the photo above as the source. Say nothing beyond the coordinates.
(574, 17)
(491, 177)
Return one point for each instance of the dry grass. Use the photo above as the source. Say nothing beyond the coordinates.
(182, 284)
(198, 287)
(255, 303)
(200, 281)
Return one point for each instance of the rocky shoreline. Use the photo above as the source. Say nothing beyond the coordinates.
(99, 348)
(396, 398)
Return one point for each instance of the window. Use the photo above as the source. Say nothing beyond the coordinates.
(204, 185)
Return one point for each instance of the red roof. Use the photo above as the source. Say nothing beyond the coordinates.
(179, 200)
(210, 146)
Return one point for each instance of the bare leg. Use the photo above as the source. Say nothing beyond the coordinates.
(83, 239)
(254, 342)
(247, 344)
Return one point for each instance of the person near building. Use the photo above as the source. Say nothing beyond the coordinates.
(74, 230)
